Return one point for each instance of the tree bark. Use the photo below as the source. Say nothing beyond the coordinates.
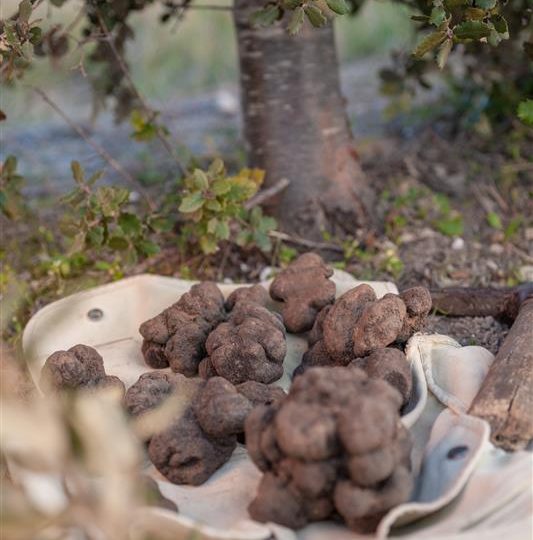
(505, 399)
(296, 127)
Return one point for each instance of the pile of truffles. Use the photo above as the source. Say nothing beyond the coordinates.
(333, 448)
(176, 337)
(79, 368)
(362, 331)
(239, 340)
(204, 433)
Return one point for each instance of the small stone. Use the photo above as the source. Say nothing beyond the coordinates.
(496, 249)
(529, 234)
(526, 272)
(458, 244)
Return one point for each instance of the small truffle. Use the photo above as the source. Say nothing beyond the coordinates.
(304, 289)
(176, 337)
(203, 435)
(392, 366)
(81, 367)
(418, 303)
(249, 346)
(334, 446)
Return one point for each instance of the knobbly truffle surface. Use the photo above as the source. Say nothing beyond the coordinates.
(176, 337)
(251, 345)
(390, 365)
(203, 435)
(304, 288)
(334, 446)
(81, 367)
(358, 323)
(256, 294)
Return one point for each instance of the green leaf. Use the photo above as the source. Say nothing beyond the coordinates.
(297, 19)
(486, 4)
(213, 205)
(444, 52)
(148, 248)
(525, 111)
(95, 235)
(191, 203)
(262, 241)
(221, 187)
(36, 35)
(243, 238)
(472, 30)
(222, 230)
(429, 43)
(199, 179)
(265, 16)
(315, 16)
(475, 14)
(513, 227)
(118, 243)
(291, 4)
(208, 244)
(130, 224)
(161, 224)
(340, 7)
(500, 25)
(494, 220)
(452, 226)
(25, 9)
(438, 16)
(216, 167)
(77, 172)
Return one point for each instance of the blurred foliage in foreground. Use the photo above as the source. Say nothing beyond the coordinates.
(72, 465)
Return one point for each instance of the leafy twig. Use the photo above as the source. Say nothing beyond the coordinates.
(99, 149)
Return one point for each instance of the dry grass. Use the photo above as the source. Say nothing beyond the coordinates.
(71, 466)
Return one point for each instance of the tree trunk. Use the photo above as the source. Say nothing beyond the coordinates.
(296, 127)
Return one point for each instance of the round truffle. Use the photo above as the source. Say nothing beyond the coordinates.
(81, 367)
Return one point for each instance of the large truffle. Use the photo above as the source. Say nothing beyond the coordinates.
(359, 323)
(81, 367)
(334, 446)
(176, 337)
(249, 346)
(304, 289)
(203, 435)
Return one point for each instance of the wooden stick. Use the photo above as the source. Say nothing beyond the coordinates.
(480, 302)
(505, 398)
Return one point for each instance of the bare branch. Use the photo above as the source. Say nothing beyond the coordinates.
(161, 135)
(266, 194)
(99, 149)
